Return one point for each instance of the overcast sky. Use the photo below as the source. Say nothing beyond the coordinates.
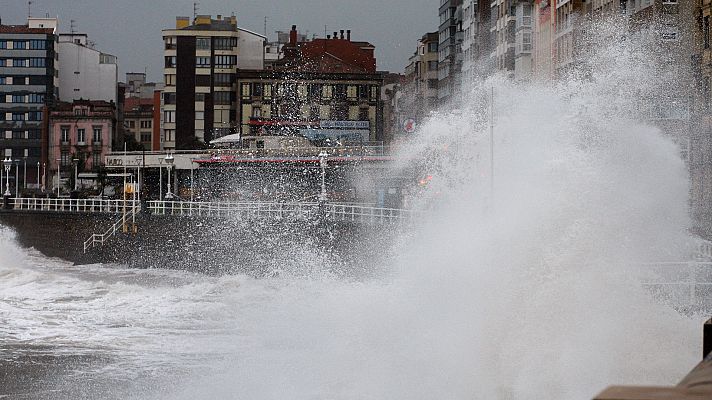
(131, 29)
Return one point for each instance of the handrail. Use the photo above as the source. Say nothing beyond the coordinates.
(71, 205)
(100, 238)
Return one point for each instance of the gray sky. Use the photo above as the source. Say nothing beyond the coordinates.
(131, 29)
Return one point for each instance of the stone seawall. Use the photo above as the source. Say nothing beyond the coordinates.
(209, 245)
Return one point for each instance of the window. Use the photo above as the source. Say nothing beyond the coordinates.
(18, 98)
(3, 80)
(363, 92)
(3, 62)
(267, 92)
(132, 124)
(19, 44)
(257, 89)
(202, 43)
(36, 98)
(65, 160)
(170, 79)
(432, 47)
(169, 116)
(199, 115)
(64, 133)
(202, 62)
(200, 97)
(18, 116)
(37, 62)
(222, 98)
(169, 135)
(432, 83)
(145, 137)
(19, 62)
(327, 91)
(81, 136)
(351, 92)
(96, 159)
(170, 61)
(374, 93)
(34, 116)
(38, 44)
(97, 134)
(245, 91)
(34, 134)
(3, 44)
(169, 98)
(432, 65)
(18, 134)
(202, 80)
(146, 124)
(224, 79)
(225, 61)
(225, 43)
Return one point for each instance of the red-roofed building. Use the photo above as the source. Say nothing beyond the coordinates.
(327, 90)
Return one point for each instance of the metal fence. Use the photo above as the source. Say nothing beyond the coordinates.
(72, 205)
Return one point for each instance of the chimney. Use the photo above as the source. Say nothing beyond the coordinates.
(328, 36)
(348, 35)
(293, 36)
(336, 35)
(219, 17)
(342, 34)
(182, 22)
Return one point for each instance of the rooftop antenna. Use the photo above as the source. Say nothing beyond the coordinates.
(72, 26)
(29, 9)
(195, 10)
(265, 31)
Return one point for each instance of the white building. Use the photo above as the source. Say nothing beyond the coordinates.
(85, 73)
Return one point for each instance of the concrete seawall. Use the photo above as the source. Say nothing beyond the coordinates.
(209, 245)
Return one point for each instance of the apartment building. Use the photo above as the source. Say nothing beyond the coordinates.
(449, 49)
(327, 90)
(202, 59)
(28, 84)
(420, 86)
(80, 135)
(86, 72)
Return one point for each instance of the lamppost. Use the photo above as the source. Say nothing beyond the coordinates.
(24, 173)
(169, 165)
(322, 163)
(17, 178)
(59, 175)
(75, 161)
(7, 162)
(38, 175)
(44, 176)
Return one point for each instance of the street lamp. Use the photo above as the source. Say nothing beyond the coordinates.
(75, 161)
(17, 177)
(7, 162)
(322, 163)
(24, 173)
(169, 165)
(38, 175)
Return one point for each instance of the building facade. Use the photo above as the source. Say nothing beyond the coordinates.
(327, 90)
(80, 135)
(420, 84)
(202, 59)
(86, 73)
(450, 37)
(28, 84)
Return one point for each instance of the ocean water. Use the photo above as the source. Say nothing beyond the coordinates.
(519, 283)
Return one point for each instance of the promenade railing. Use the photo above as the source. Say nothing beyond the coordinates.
(72, 205)
(98, 239)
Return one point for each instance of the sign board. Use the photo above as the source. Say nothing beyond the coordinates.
(409, 125)
(344, 124)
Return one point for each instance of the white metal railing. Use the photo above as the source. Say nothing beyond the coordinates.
(72, 205)
(680, 283)
(100, 238)
(278, 210)
(362, 213)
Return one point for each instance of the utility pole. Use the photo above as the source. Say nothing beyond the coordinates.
(492, 146)
(29, 9)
